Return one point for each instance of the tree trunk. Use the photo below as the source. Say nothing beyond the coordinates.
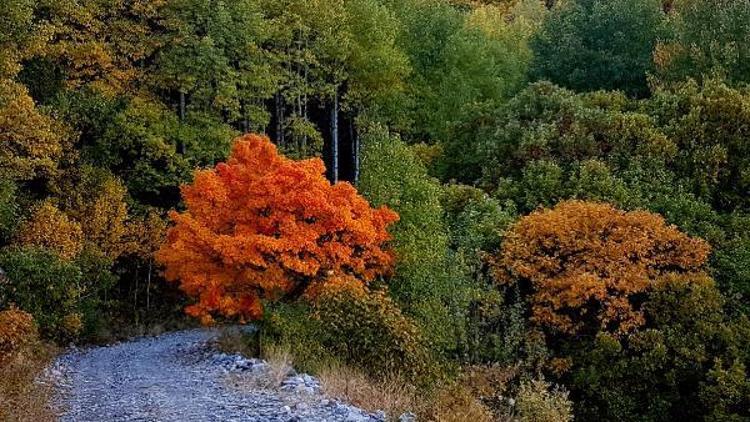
(148, 287)
(135, 294)
(245, 122)
(355, 152)
(335, 138)
(279, 119)
(305, 101)
(181, 143)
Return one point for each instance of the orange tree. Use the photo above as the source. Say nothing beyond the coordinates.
(588, 265)
(265, 227)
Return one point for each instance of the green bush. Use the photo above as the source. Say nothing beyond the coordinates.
(689, 363)
(710, 38)
(366, 329)
(429, 284)
(476, 221)
(64, 297)
(45, 286)
(497, 331)
(8, 209)
(292, 326)
(537, 401)
(599, 44)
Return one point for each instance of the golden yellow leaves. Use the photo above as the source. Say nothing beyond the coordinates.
(96, 200)
(50, 228)
(30, 142)
(88, 211)
(588, 262)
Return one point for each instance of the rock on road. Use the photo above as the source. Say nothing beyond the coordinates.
(180, 377)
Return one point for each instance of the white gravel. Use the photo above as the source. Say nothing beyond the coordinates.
(180, 377)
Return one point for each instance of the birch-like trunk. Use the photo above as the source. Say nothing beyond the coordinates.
(355, 152)
(181, 143)
(279, 119)
(335, 138)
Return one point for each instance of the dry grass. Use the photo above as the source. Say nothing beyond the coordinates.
(22, 399)
(280, 364)
(389, 394)
(279, 361)
(457, 402)
(450, 403)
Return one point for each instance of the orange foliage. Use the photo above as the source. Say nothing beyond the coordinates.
(16, 329)
(262, 226)
(588, 262)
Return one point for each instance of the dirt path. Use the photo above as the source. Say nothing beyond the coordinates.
(180, 377)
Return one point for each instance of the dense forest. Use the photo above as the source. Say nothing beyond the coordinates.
(511, 209)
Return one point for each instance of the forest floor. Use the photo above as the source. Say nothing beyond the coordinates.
(181, 376)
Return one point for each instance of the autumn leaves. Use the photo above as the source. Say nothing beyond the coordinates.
(265, 227)
(262, 226)
(586, 265)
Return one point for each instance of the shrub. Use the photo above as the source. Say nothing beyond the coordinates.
(366, 329)
(497, 330)
(689, 362)
(548, 142)
(477, 222)
(16, 330)
(8, 209)
(457, 404)
(585, 265)
(22, 359)
(277, 227)
(31, 271)
(596, 44)
(709, 123)
(293, 327)
(536, 401)
(711, 37)
(490, 384)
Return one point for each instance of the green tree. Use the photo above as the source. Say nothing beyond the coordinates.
(426, 284)
(213, 60)
(711, 38)
(587, 45)
(140, 145)
(689, 363)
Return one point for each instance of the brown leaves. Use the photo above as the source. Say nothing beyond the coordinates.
(16, 329)
(587, 262)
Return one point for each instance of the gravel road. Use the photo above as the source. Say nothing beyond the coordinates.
(180, 376)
